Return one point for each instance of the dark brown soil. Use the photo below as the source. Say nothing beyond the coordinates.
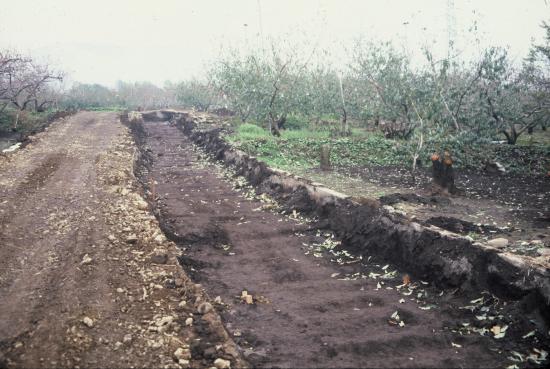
(490, 205)
(312, 308)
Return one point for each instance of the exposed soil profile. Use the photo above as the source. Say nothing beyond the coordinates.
(291, 293)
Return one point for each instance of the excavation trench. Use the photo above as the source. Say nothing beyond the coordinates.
(311, 307)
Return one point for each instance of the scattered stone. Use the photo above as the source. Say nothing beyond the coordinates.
(220, 363)
(159, 238)
(182, 304)
(111, 238)
(127, 338)
(182, 354)
(88, 322)
(159, 258)
(142, 204)
(131, 238)
(120, 290)
(204, 308)
(86, 260)
(189, 322)
(218, 300)
(165, 320)
(499, 243)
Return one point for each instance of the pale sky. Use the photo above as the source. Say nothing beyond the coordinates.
(136, 40)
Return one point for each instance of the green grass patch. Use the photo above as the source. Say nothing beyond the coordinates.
(297, 150)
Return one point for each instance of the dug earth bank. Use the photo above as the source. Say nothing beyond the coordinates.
(291, 298)
(87, 278)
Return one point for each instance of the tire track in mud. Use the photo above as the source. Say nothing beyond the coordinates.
(308, 311)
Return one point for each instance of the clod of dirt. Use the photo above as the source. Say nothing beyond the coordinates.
(460, 226)
(159, 259)
(182, 354)
(204, 308)
(499, 243)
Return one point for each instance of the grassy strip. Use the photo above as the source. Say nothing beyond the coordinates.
(299, 149)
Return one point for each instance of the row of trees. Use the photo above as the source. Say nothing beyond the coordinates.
(26, 84)
(488, 97)
(136, 95)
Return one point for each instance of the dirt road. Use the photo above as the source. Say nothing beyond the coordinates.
(307, 311)
(86, 276)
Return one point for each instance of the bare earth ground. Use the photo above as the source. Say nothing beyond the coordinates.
(510, 206)
(309, 311)
(86, 276)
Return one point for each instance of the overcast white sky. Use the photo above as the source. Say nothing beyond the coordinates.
(135, 40)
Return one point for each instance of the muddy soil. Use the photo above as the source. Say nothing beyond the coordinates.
(311, 306)
(86, 276)
(487, 205)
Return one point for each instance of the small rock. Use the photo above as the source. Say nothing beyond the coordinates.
(165, 320)
(86, 260)
(220, 363)
(159, 259)
(183, 363)
(189, 322)
(499, 243)
(204, 308)
(182, 304)
(536, 242)
(182, 354)
(218, 300)
(142, 204)
(88, 322)
(131, 238)
(160, 238)
(111, 238)
(495, 168)
(120, 290)
(127, 338)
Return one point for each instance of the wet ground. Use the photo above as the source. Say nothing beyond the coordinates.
(290, 300)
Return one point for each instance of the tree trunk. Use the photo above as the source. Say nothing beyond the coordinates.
(325, 157)
(443, 173)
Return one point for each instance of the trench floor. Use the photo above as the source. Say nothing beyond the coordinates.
(310, 308)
